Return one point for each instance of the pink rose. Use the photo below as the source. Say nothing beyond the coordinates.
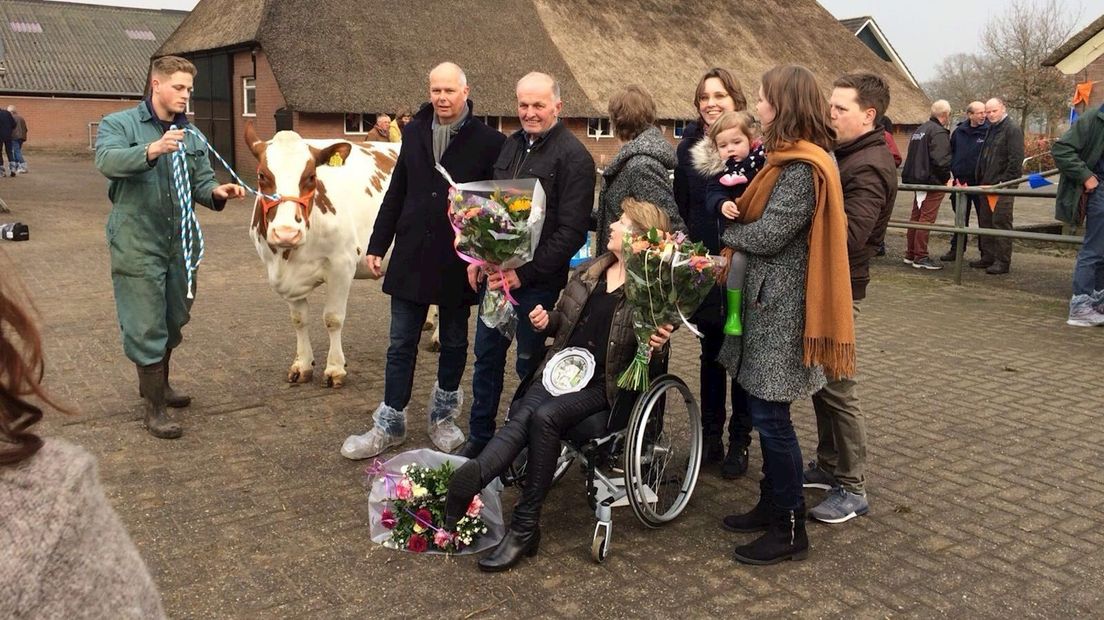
(403, 489)
(474, 507)
(442, 539)
(387, 519)
(417, 544)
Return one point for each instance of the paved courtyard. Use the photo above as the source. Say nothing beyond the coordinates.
(984, 413)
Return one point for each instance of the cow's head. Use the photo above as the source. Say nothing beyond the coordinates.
(286, 168)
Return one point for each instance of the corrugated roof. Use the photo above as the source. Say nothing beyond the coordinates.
(79, 49)
(341, 55)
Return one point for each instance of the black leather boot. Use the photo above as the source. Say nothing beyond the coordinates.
(735, 463)
(172, 397)
(462, 487)
(756, 520)
(714, 448)
(785, 539)
(470, 448)
(151, 383)
(521, 540)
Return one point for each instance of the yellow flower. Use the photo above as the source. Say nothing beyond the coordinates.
(419, 491)
(521, 204)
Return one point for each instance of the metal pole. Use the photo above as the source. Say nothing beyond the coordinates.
(960, 239)
(991, 232)
(974, 189)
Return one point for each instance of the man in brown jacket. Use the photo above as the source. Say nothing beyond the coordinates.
(869, 178)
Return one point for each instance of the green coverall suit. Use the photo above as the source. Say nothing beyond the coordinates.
(143, 230)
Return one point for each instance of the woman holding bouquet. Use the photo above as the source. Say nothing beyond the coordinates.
(592, 315)
(797, 308)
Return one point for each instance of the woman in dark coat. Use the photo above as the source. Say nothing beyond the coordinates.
(797, 307)
(592, 315)
(717, 93)
(640, 169)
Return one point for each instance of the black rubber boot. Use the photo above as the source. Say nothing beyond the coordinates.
(151, 383)
(785, 539)
(521, 540)
(172, 397)
(462, 487)
(756, 520)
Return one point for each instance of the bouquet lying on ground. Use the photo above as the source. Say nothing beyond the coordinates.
(666, 279)
(407, 506)
(498, 226)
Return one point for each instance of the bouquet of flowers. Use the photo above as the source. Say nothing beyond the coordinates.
(407, 506)
(666, 279)
(497, 225)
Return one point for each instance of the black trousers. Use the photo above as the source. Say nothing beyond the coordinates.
(715, 381)
(537, 421)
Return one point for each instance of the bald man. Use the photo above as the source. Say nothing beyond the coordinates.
(544, 149)
(426, 269)
(1001, 160)
(928, 163)
(966, 141)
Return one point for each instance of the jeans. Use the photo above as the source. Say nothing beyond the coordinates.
(1088, 272)
(969, 201)
(407, 318)
(923, 211)
(17, 152)
(714, 378)
(491, 347)
(782, 466)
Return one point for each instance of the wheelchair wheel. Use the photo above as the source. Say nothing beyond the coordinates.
(663, 451)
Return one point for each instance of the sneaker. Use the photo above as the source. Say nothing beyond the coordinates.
(908, 261)
(1083, 314)
(840, 506)
(817, 478)
(370, 444)
(927, 263)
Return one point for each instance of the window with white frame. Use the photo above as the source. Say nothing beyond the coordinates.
(494, 122)
(599, 128)
(677, 128)
(358, 123)
(249, 96)
(188, 107)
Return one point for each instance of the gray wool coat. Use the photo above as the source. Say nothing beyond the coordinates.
(766, 360)
(639, 170)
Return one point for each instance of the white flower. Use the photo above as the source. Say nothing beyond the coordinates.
(404, 468)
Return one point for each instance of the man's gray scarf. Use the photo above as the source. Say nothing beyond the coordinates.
(443, 134)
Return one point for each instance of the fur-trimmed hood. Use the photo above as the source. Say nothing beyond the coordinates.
(706, 159)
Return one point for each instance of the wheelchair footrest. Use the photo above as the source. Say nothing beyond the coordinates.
(618, 496)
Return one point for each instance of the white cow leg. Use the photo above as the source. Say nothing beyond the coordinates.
(432, 323)
(302, 369)
(337, 295)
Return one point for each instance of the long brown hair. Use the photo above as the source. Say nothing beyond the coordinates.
(801, 111)
(21, 368)
(731, 86)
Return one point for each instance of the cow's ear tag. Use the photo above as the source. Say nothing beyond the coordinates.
(336, 160)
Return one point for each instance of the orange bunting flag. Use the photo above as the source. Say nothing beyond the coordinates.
(1081, 93)
(992, 199)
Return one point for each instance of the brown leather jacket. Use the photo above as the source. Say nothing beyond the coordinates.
(869, 179)
(562, 320)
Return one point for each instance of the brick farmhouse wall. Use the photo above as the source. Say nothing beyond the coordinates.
(62, 122)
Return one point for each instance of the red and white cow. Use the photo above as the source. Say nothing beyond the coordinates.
(329, 194)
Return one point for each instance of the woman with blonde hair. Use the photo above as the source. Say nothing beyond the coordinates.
(796, 302)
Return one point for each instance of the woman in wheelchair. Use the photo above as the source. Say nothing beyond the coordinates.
(591, 314)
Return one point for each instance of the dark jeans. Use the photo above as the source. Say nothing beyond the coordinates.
(490, 360)
(1088, 274)
(970, 201)
(714, 379)
(782, 466)
(407, 318)
(537, 420)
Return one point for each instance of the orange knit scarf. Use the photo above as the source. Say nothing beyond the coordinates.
(829, 338)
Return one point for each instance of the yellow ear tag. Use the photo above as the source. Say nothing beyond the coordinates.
(336, 160)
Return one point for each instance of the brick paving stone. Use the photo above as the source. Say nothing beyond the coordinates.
(983, 411)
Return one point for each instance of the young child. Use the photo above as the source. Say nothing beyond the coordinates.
(730, 156)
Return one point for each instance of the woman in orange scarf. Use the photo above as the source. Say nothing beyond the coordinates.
(797, 299)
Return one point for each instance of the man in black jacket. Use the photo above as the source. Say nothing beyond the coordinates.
(928, 163)
(426, 269)
(7, 127)
(966, 141)
(545, 149)
(1001, 160)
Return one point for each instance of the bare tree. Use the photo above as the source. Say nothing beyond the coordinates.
(1016, 41)
(962, 78)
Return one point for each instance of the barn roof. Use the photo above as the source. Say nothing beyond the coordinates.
(1075, 42)
(369, 55)
(63, 48)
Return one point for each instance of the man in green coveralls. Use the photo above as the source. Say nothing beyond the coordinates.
(134, 151)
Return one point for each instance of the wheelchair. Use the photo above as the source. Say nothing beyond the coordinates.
(645, 452)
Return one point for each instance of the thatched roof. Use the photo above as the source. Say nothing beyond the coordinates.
(216, 25)
(62, 48)
(365, 55)
(1075, 42)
